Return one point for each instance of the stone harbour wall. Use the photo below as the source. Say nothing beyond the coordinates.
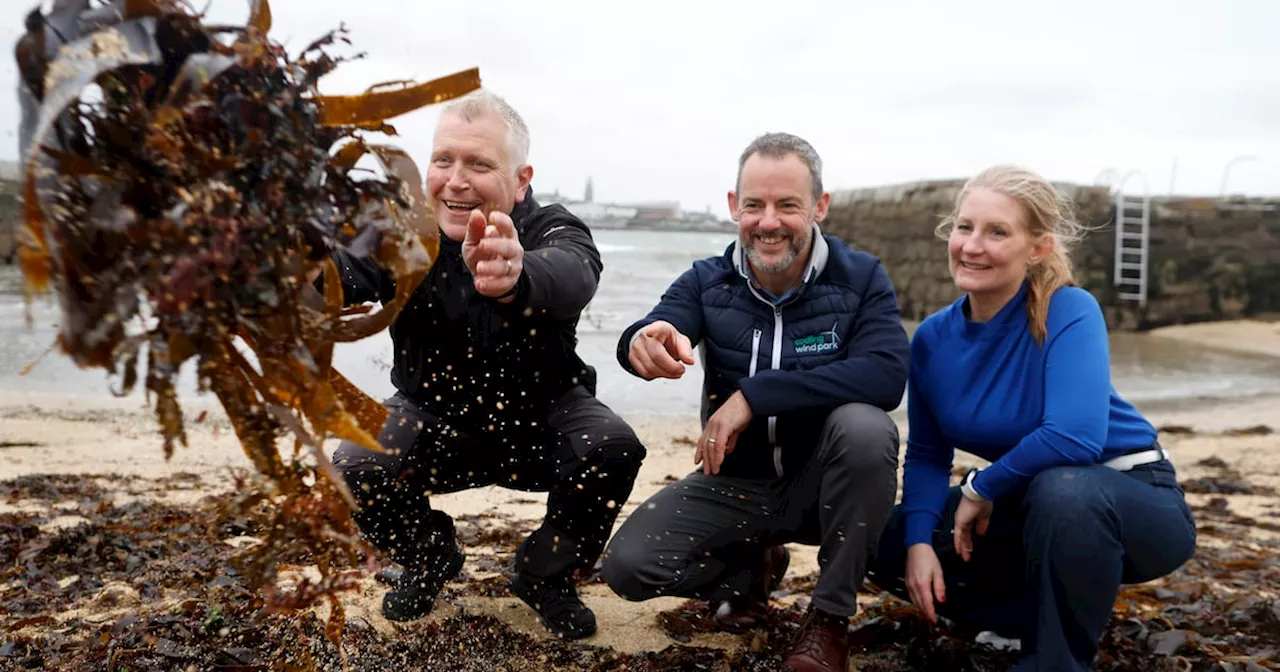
(9, 218)
(1209, 259)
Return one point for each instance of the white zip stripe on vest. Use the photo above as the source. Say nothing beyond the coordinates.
(755, 350)
(777, 362)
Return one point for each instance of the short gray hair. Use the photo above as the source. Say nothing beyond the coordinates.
(778, 145)
(480, 101)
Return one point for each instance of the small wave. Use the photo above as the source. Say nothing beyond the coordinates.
(614, 247)
(1200, 390)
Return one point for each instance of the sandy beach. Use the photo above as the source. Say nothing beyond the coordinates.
(115, 441)
(1253, 337)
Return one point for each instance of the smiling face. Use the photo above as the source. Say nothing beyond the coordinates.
(775, 211)
(471, 169)
(991, 246)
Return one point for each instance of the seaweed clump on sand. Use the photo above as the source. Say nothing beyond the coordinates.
(154, 589)
(182, 182)
(1220, 612)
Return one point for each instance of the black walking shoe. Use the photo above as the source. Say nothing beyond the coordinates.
(413, 592)
(749, 611)
(558, 606)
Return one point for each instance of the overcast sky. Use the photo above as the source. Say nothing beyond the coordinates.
(655, 99)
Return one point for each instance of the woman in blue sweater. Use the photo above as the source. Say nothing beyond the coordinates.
(1079, 497)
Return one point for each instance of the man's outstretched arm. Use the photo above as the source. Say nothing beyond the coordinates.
(673, 327)
(561, 273)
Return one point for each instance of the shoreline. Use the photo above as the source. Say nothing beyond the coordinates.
(1250, 337)
(53, 433)
(1208, 413)
(1171, 369)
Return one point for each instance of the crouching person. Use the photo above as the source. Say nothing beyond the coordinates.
(490, 390)
(1079, 497)
(804, 353)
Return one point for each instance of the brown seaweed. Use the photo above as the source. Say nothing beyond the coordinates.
(182, 184)
(154, 590)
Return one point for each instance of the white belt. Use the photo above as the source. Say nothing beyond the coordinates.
(1127, 462)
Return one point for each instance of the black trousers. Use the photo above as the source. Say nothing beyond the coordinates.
(704, 536)
(581, 453)
(1054, 557)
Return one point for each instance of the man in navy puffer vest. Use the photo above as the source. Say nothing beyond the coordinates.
(804, 353)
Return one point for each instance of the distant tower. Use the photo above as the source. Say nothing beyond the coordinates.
(589, 193)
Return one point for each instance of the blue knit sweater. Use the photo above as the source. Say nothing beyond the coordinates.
(990, 390)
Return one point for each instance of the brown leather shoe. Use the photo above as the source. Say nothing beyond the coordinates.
(822, 645)
(751, 610)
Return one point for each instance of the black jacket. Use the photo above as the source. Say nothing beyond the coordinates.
(479, 364)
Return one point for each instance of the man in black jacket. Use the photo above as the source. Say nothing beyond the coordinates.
(490, 390)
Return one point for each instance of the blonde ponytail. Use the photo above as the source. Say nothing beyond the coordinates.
(1045, 278)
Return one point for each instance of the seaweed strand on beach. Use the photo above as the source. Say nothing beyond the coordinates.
(182, 182)
(146, 585)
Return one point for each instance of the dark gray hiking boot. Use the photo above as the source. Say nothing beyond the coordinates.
(413, 592)
(752, 610)
(558, 605)
(544, 568)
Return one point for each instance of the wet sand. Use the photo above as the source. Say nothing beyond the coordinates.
(62, 435)
(1245, 336)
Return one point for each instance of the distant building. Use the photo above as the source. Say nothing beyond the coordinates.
(657, 210)
(661, 215)
(602, 215)
(546, 198)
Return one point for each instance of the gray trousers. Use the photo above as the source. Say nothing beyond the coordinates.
(704, 536)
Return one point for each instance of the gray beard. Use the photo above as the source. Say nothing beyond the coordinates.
(794, 251)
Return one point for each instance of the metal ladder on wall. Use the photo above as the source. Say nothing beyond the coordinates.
(1133, 243)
